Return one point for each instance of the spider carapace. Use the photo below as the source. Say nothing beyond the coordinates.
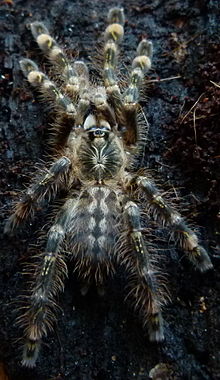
(96, 137)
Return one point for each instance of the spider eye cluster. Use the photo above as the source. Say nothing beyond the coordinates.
(96, 128)
(95, 132)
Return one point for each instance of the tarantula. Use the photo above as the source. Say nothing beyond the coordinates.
(96, 137)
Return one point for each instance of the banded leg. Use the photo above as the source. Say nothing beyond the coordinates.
(183, 235)
(47, 186)
(140, 65)
(46, 87)
(73, 77)
(113, 36)
(146, 290)
(81, 94)
(103, 110)
(40, 314)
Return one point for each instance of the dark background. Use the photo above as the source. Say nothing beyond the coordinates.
(100, 338)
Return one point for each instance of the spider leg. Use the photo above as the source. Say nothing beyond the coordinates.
(46, 87)
(75, 86)
(74, 76)
(61, 104)
(140, 65)
(103, 110)
(183, 235)
(47, 186)
(40, 314)
(145, 288)
(113, 36)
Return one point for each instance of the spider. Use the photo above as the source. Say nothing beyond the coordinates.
(96, 138)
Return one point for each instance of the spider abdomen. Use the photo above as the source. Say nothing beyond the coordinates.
(93, 229)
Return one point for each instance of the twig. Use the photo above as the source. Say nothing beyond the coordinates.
(164, 79)
(194, 125)
(215, 84)
(191, 108)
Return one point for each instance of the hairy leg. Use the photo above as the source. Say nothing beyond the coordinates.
(140, 65)
(73, 75)
(48, 281)
(46, 87)
(183, 235)
(145, 289)
(46, 187)
(113, 36)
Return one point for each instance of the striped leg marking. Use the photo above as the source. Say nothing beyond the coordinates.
(49, 281)
(140, 65)
(183, 235)
(40, 314)
(46, 87)
(144, 282)
(113, 36)
(71, 75)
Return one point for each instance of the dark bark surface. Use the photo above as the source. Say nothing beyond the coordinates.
(100, 338)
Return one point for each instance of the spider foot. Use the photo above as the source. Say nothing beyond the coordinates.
(101, 290)
(30, 353)
(200, 258)
(155, 328)
(84, 289)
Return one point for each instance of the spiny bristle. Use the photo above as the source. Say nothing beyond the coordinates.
(22, 211)
(200, 258)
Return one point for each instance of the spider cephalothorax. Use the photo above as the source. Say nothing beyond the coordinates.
(99, 151)
(95, 138)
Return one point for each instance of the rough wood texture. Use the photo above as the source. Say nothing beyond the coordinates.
(100, 338)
